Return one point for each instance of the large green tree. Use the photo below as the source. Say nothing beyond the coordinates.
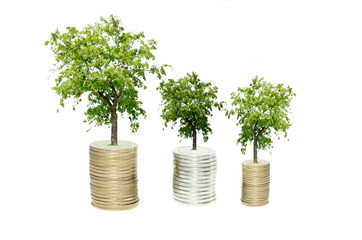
(260, 109)
(189, 102)
(108, 63)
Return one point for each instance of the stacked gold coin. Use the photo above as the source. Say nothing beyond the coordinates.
(256, 179)
(113, 175)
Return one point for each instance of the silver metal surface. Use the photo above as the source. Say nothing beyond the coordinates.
(194, 175)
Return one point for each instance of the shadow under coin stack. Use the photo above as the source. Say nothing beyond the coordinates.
(255, 187)
(194, 175)
(113, 175)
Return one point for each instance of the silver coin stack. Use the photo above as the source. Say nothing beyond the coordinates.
(194, 175)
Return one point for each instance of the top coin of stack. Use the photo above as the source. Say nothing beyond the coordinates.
(113, 174)
(255, 187)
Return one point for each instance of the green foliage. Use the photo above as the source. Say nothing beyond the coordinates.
(189, 101)
(106, 62)
(259, 109)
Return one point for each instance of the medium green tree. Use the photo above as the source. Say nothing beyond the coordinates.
(109, 64)
(189, 102)
(260, 109)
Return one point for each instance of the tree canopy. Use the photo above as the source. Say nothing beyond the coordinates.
(260, 109)
(189, 102)
(108, 63)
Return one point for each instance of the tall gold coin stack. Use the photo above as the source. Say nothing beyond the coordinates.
(113, 175)
(256, 179)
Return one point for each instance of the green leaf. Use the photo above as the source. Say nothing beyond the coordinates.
(261, 109)
(188, 102)
(108, 64)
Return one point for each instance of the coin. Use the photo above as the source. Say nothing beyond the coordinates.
(113, 175)
(194, 175)
(255, 183)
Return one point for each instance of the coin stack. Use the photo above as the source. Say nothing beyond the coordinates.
(113, 175)
(256, 178)
(194, 175)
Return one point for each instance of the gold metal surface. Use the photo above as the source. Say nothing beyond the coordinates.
(255, 183)
(113, 175)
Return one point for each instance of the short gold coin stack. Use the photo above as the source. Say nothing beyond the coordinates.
(113, 175)
(255, 186)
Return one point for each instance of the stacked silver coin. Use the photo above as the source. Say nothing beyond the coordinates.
(113, 175)
(194, 175)
(255, 187)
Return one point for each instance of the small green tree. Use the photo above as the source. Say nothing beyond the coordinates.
(190, 101)
(109, 64)
(259, 109)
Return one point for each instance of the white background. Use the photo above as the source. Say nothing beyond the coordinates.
(314, 46)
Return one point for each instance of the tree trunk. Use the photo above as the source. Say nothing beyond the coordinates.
(255, 160)
(194, 133)
(114, 140)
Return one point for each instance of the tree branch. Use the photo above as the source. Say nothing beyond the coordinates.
(100, 69)
(120, 91)
(87, 70)
(113, 89)
(121, 64)
(252, 129)
(189, 121)
(104, 98)
(255, 125)
(196, 119)
(262, 129)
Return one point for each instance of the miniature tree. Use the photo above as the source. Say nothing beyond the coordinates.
(190, 101)
(109, 64)
(259, 109)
